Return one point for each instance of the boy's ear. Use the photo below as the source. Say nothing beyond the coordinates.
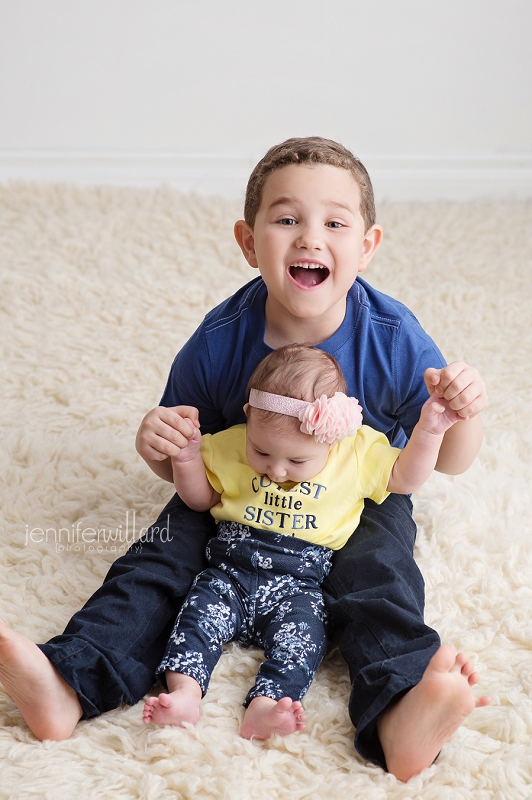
(372, 241)
(246, 241)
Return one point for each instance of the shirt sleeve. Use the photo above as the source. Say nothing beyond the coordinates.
(375, 457)
(207, 451)
(189, 382)
(415, 353)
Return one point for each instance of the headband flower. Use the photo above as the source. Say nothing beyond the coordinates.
(329, 419)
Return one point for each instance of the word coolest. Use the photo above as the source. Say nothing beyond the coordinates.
(284, 499)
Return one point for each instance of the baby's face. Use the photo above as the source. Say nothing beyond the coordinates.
(284, 456)
(309, 241)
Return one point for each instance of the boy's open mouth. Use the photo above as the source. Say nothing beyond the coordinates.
(306, 274)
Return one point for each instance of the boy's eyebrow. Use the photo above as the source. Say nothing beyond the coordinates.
(340, 205)
(286, 200)
(281, 201)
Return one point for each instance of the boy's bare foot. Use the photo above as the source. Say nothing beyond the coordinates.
(265, 716)
(181, 704)
(48, 704)
(413, 731)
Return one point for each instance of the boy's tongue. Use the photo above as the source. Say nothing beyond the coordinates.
(308, 277)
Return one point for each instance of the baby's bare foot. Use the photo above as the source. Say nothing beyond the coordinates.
(174, 708)
(265, 716)
(413, 731)
(48, 704)
(181, 704)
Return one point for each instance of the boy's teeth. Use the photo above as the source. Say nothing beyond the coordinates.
(306, 274)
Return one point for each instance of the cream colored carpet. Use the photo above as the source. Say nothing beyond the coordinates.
(99, 288)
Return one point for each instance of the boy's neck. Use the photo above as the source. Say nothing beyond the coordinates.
(282, 328)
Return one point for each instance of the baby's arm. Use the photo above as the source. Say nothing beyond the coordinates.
(190, 478)
(417, 461)
(464, 389)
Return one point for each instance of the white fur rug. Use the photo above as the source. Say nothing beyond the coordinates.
(99, 288)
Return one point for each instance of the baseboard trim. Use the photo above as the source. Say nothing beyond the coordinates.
(395, 178)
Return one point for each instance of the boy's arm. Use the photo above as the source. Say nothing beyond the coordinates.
(464, 389)
(417, 461)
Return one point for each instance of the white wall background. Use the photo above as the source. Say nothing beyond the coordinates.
(434, 96)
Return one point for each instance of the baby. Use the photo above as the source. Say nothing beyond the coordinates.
(287, 489)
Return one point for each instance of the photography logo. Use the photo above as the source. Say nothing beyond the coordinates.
(79, 539)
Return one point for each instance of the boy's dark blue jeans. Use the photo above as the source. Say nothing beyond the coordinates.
(110, 650)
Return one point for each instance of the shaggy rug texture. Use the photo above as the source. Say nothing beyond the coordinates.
(99, 289)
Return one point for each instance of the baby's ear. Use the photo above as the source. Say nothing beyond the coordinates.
(246, 409)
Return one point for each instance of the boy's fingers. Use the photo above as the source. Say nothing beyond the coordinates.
(470, 409)
(461, 398)
(167, 434)
(178, 432)
(432, 375)
(180, 422)
(187, 412)
(432, 378)
(453, 379)
(460, 381)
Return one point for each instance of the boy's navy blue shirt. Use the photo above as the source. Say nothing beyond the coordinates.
(381, 347)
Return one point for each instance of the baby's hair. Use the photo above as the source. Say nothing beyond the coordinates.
(299, 371)
(309, 150)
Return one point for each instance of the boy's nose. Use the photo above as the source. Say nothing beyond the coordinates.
(310, 239)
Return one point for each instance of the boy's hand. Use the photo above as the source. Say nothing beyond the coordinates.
(460, 385)
(437, 416)
(165, 432)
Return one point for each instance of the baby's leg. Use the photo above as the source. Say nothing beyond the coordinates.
(205, 622)
(413, 731)
(265, 717)
(181, 704)
(294, 644)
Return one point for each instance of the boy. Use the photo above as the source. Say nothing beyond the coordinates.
(310, 229)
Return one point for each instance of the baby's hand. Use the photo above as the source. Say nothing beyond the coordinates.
(191, 449)
(437, 416)
(460, 385)
(166, 432)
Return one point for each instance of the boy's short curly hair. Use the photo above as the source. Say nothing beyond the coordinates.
(309, 150)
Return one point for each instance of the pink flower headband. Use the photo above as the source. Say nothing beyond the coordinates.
(330, 419)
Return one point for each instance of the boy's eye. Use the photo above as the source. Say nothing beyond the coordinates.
(335, 224)
(287, 221)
